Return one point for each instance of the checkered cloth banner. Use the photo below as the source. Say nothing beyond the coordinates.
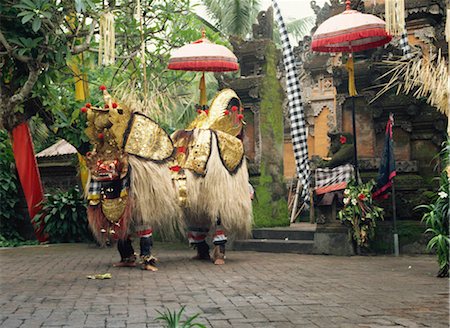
(96, 187)
(332, 179)
(296, 112)
(404, 45)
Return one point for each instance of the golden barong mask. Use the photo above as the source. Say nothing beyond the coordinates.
(225, 114)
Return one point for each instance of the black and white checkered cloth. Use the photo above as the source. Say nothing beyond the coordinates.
(326, 177)
(296, 112)
(96, 187)
(404, 45)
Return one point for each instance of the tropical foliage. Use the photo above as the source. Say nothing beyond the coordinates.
(173, 319)
(8, 195)
(436, 216)
(47, 44)
(360, 212)
(233, 17)
(64, 217)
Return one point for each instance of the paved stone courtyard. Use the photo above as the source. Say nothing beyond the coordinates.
(46, 286)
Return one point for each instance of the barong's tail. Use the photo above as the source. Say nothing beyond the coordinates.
(154, 197)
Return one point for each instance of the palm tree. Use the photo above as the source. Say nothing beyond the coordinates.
(233, 17)
(236, 17)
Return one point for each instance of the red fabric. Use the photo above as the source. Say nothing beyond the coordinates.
(204, 65)
(331, 43)
(196, 236)
(326, 189)
(28, 174)
(380, 193)
(144, 233)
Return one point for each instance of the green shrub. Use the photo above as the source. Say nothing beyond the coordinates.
(436, 217)
(8, 194)
(64, 217)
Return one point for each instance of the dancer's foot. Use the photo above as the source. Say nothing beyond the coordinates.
(219, 254)
(123, 264)
(129, 262)
(148, 263)
(202, 257)
(149, 267)
(219, 262)
(202, 252)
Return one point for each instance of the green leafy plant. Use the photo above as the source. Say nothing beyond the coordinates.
(64, 216)
(15, 241)
(360, 212)
(436, 217)
(8, 191)
(173, 319)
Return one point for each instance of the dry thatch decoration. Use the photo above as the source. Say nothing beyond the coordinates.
(107, 43)
(423, 77)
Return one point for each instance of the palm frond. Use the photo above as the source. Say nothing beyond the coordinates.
(422, 76)
(233, 17)
(297, 29)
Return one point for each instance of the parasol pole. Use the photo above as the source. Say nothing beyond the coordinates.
(355, 148)
(394, 204)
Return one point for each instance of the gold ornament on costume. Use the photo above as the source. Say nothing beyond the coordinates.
(147, 139)
(114, 208)
(231, 150)
(220, 116)
(198, 152)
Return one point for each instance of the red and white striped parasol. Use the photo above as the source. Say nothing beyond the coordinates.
(350, 31)
(203, 56)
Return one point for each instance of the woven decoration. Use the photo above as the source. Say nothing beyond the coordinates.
(107, 44)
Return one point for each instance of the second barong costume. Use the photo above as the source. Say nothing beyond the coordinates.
(211, 176)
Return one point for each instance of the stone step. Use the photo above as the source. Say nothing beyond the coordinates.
(274, 246)
(283, 234)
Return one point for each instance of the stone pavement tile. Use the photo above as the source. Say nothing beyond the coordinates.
(115, 323)
(232, 314)
(219, 323)
(290, 289)
(142, 324)
(43, 314)
(12, 323)
(32, 323)
(240, 324)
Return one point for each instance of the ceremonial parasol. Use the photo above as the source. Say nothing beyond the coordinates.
(350, 31)
(203, 56)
